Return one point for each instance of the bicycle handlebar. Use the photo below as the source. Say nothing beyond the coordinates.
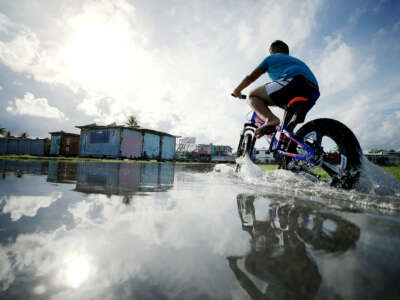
(243, 96)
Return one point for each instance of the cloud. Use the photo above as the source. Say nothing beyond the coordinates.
(291, 21)
(101, 222)
(21, 52)
(353, 20)
(5, 23)
(38, 107)
(19, 206)
(7, 275)
(374, 124)
(396, 27)
(116, 60)
(341, 67)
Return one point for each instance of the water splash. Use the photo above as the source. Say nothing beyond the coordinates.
(376, 190)
(375, 180)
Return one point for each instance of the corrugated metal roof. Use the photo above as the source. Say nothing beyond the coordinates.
(64, 133)
(95, 126)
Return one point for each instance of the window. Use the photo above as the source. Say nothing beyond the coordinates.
(99, 136)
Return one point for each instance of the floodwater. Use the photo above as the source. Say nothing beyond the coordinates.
(180, 231)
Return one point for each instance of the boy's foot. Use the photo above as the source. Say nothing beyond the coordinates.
(265, 129)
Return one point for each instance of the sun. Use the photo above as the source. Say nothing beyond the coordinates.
(76, 271)
(95, 49)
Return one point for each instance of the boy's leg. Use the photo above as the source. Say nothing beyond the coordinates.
(259, 100)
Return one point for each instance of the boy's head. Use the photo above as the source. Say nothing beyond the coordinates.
(278, 47)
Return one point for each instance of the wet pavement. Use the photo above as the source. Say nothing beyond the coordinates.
(180, 231)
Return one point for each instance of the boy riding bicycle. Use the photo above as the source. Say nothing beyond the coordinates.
(290, 77)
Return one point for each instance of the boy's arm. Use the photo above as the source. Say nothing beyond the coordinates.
(249, 79)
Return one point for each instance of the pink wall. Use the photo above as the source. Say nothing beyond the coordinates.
(131, 143)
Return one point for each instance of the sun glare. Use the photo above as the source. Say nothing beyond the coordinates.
(95, 50)
(77, 270)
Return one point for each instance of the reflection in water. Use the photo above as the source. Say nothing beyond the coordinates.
(114, 178)
(76, 270)
(279, 254)
(18, 206)
(69, 235)
(20, 167)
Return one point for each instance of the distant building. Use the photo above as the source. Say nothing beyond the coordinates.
(204, 149)
(20, 146)
(220, 150)
(384, 158)
(117, 141)
(64, 143)
(262, 156)
(214, 153)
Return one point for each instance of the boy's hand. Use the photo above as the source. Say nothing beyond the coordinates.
(237, 94)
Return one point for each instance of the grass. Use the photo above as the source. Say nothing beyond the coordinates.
(394, 170)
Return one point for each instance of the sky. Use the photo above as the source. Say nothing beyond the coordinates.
(173, 64)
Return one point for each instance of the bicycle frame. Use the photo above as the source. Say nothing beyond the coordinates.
(276, 140)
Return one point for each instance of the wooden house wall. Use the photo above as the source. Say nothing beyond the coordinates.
(151, 145)
(3, 146)
(12, 147)
(131, 143)
(55, 143)
(92, 143)
(168, 147)
(24, 147)
(40, 147)
(69, 145)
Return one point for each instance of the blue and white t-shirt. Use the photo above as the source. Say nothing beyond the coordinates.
(281, 66)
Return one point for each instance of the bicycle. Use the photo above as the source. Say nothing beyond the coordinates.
(324, 143)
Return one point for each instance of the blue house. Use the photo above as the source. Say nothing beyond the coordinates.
(22, 146)
(116, 141)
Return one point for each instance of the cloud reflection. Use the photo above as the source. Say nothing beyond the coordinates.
(19, 206)
(77, 270)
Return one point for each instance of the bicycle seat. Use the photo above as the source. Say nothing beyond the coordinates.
(296, 110)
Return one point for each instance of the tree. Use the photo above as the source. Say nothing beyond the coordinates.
(132, 121)
(2, 130)
(24, 135)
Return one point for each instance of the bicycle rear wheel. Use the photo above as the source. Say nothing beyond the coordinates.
(338, 153)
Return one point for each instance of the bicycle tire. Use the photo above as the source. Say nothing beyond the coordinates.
(347, 155)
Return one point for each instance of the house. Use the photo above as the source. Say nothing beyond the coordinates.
(117, 141)
(123, 179)
(64, 143)
(21, 146)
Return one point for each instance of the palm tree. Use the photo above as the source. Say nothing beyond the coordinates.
(132, 121)
(24, 135)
